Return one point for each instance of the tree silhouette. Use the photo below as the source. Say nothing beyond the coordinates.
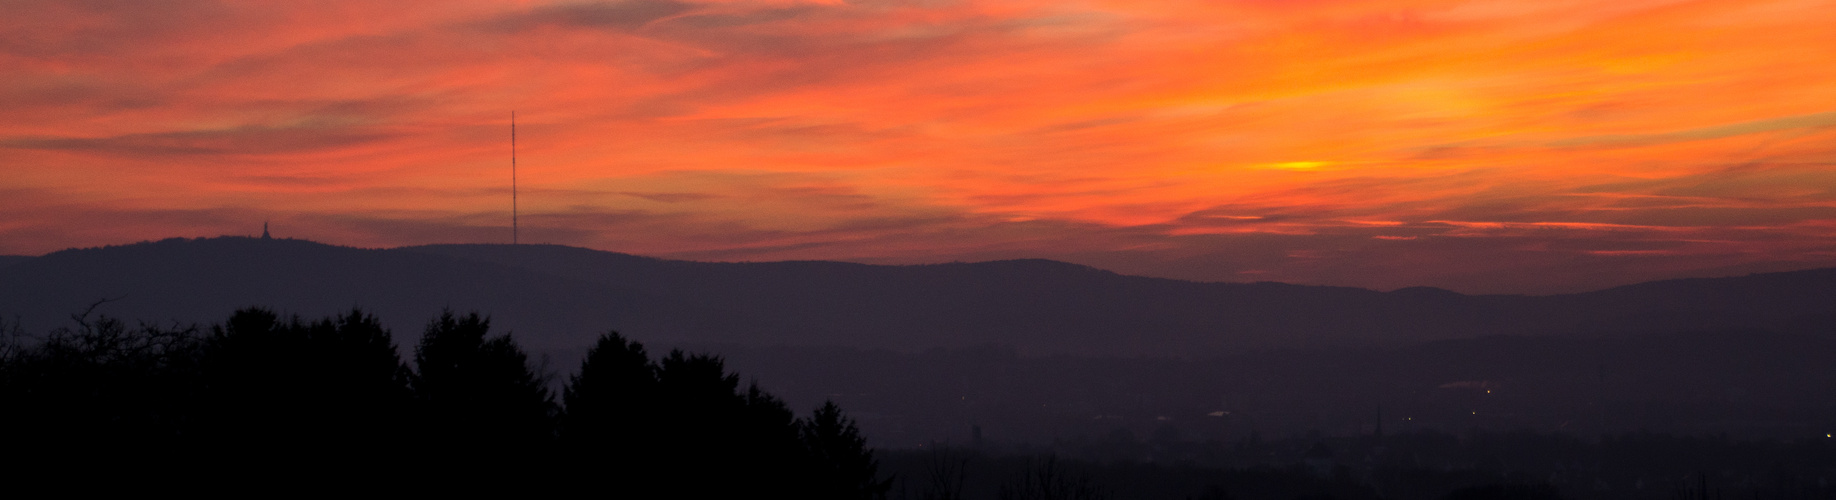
(1044, 478)
(768, 439)
(361, 387)
(665, 427)
(478, 395)
(264, 396)
(251, 379)
(612, 396)
(611, 415)
(100, 387)
(283, 389)
(945, 471)
(699, 415)
(842, 465)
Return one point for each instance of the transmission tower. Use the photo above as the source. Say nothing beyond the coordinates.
(513, 225)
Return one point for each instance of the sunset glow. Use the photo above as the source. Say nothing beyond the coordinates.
(1484, 146)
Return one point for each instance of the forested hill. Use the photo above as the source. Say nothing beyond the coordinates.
(558, 297)
(195, 280)
(1040, 304)
(7, 260)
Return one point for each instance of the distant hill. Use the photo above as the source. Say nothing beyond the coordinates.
(203, 280)
(1044, 306)
(558, 297)
(7, 260)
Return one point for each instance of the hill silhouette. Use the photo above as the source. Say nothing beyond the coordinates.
(1048, 307)
(557, 297)
(7, 260)
(195, 280)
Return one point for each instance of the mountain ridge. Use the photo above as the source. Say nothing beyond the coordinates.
(7, 260)
(559, 297)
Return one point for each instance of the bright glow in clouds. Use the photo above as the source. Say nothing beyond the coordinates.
(1480, 145)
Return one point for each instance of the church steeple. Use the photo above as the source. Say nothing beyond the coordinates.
(264, 231)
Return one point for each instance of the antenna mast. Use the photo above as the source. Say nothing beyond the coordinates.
(513, 227)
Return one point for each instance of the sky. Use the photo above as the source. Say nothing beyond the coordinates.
(1485, 146)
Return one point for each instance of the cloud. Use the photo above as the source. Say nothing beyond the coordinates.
(672, 197)
(1814, 120)
(624, 15)
(240, 141)
(1490, 147)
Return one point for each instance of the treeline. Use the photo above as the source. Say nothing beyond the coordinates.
(278, 396)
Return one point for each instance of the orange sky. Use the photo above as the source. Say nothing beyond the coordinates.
(1484, 146)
